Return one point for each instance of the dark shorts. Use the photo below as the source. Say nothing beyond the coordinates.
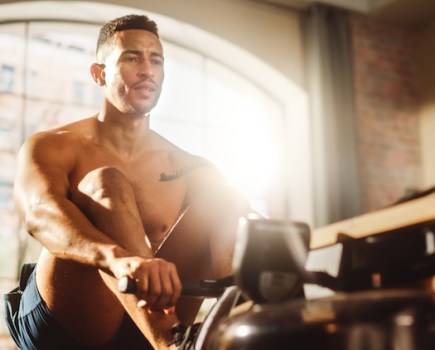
(34, 328)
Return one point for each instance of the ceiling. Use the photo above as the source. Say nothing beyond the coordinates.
(408, 13)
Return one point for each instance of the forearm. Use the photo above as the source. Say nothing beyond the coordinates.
(68, 234)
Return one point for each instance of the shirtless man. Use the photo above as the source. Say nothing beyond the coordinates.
(108, 197)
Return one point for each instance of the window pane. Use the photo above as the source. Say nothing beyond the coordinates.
(245, 136)
(183, 89)
(60, 87)
(7, 78)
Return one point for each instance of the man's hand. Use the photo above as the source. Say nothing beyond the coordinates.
(158, 286)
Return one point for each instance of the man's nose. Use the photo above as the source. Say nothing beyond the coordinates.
(146, 69)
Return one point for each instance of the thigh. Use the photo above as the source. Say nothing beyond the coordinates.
(34, 326)
(79, 300)
(201, 244)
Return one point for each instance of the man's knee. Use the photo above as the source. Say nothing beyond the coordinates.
(105, 184)
(228, 201)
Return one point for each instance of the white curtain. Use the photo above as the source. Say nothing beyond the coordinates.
(330, 89)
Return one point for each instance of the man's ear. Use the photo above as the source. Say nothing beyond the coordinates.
(97, 72)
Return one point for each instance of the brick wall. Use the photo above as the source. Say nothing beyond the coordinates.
(387, 115)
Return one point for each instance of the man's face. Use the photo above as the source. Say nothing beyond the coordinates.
(133, 72)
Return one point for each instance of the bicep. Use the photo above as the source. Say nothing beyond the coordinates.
(41, 172)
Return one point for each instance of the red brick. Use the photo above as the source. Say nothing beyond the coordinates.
(386, 111)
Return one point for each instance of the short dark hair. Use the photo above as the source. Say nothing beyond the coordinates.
(120, 24)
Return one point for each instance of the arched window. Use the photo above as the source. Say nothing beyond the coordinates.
(205, 108)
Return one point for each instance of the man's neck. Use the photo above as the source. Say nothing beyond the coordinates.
(125, 134)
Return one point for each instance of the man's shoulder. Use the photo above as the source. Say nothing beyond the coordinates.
(185, 159)
(57, 138)
(50, 137)
(67, 131)
(76, 128)
(177, 155)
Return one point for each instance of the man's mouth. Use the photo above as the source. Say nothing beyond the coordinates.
(146, 87)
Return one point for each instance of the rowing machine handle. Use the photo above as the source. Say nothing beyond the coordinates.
(202, 288)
